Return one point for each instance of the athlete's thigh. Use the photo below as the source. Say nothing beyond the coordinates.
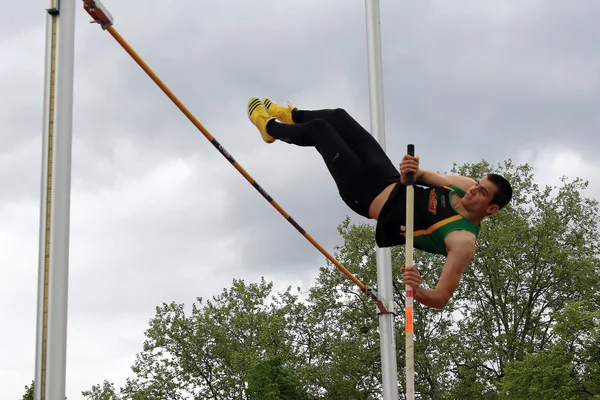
(358, 138)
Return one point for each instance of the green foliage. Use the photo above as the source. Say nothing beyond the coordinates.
(28, 392)
(547, 374)
(524, 323)
(533, 258)
(104, 392)
(431, 326)
(270, 379)
(569, 368)
(235, 346)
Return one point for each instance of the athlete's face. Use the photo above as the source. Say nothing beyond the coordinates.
(479, 196)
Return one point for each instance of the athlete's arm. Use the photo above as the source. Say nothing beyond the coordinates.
(435, 179)
(432, 179)
(461, 249)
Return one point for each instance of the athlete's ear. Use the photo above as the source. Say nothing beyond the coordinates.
(492, 209)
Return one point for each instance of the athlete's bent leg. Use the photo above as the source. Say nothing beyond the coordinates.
(358, 182)
(360, 141)
(357, 137)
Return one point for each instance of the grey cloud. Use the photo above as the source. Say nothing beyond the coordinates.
(462, 83)
(141, 243)
(304, 189)
(506, 83)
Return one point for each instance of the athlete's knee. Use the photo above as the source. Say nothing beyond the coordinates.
(339, 113)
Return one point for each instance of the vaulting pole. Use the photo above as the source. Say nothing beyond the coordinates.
(51, 338)
(384, 258)
(408, 299)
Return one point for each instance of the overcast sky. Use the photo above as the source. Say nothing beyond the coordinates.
(158, 215)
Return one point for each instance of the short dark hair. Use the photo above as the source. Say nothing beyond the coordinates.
(504, 193)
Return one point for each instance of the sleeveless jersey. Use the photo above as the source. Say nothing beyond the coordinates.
(434, 218)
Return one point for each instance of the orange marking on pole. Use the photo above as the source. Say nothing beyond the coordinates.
(409, 319)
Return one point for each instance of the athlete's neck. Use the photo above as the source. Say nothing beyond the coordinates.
(458, 206)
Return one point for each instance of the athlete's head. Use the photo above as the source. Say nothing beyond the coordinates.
(504, 190)
(489, 195)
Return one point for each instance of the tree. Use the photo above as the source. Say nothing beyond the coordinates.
(28, 392)
(234, 346)
(354, 365)
(524, 313)
(569, 368)
(270, 379)
(104, 392)
(532, 260)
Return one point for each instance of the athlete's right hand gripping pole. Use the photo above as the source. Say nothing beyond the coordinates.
(408, 302)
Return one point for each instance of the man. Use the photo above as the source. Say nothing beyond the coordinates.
(447, 212)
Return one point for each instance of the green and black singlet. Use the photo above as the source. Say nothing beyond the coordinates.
(434, 218)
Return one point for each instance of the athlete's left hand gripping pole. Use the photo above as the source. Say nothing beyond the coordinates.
(408, 302)
(102, 17)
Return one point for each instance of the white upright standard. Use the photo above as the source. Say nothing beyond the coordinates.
(51, 340)
(384, 258)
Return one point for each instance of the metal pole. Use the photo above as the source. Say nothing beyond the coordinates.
(384, 264)
(51, 340)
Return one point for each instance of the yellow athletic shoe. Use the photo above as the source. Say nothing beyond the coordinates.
(282, 113)
(258, 114)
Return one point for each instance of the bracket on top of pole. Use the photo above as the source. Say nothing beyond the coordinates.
(381, 305)
(53, 7)
(98, 12)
